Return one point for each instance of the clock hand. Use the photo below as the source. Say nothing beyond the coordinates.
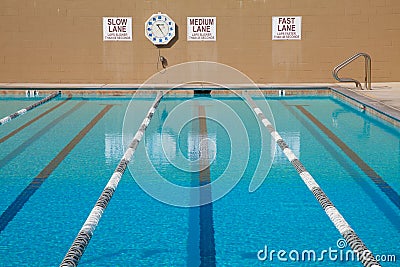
(158, 25)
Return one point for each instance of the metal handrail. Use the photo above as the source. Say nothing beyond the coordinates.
(348, 61)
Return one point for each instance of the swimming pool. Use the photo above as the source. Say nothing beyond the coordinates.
(54, 169)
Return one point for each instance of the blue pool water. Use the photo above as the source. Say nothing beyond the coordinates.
(138, 230)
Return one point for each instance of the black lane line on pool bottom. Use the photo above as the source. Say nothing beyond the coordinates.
(376, 178)
(12, 210)
(207, 239)
(193, 239)
(389, 212)
(29, 141)
(33, 120)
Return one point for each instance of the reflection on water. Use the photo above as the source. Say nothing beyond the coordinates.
(292, 139)
(335, 116)
(113, 149)
(163, 146)
(198, 143)
(160, 147)
(366, 127)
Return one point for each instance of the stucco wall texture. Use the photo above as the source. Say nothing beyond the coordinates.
(61, 41)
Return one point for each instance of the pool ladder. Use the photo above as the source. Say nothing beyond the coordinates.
(347, 62)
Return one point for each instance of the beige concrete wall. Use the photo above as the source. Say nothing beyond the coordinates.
(60, 41)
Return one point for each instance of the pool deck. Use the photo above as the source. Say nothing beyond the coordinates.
(384, 97)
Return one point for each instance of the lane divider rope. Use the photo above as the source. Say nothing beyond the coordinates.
(356, 244)
(24, 110)
(82, 240)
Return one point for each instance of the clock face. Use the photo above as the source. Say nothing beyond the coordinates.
(160, 29)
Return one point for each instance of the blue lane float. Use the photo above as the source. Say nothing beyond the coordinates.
(82, 240)
(356, 244)
(24, 110)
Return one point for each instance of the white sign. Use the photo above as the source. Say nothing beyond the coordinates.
(286, 28)
(201, 28)
(117, 29)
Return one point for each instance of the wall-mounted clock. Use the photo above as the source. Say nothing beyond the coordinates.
(159, 29)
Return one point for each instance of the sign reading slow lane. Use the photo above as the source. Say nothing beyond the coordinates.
(286, 28)
(201, 28)
(117, 29)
